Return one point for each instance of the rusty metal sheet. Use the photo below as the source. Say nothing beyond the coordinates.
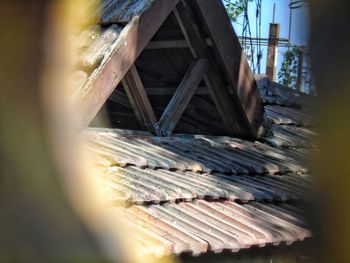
(201, 226)
(137, 186)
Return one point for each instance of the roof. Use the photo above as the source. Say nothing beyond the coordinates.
(202, 226)
(187, 192)
(199, 193)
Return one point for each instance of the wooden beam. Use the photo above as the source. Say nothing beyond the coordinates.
(182, 97)
(231, 114)
(165, 44)
(139, 101)
(133, 39)
(229, 55)
(271, 61)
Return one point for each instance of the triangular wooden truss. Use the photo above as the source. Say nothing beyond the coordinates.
(172, 113)
(242, 115)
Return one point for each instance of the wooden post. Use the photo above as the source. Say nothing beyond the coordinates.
(300, 69)
(272, 51)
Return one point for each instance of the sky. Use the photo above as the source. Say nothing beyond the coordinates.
(300, 25)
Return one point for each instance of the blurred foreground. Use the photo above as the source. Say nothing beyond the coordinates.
(51, 212)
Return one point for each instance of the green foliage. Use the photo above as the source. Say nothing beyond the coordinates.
(235, 8)
(289, 69)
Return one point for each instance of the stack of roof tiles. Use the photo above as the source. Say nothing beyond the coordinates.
(198, 193)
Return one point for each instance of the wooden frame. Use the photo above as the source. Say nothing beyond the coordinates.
(130, 43)
(234, 63)
(209, 35)
(231, 115)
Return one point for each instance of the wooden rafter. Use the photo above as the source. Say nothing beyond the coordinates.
(139, 100)
(227, 108)
(234, 63)
(129, 45)
(182, 96)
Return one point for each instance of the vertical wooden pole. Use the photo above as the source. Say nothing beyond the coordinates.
(290, 23)
(272, 51)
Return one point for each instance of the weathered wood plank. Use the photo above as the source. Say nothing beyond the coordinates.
(99, 42)
(271, 61)
(231, 114)
(129, 45)
(182, 97)
(233, 61)
(139, 100)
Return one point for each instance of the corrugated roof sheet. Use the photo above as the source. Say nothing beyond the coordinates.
(135, 185)
(196, 153)
(201, 226)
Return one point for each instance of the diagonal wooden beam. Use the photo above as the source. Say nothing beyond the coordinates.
(230, 56)
(132, 40)
(229, 109)
(182, 96)
(139, 101)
